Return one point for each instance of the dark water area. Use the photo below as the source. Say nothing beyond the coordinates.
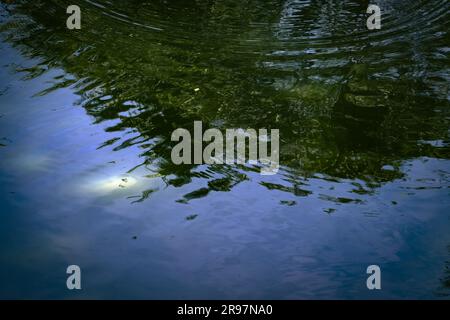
(86, 176)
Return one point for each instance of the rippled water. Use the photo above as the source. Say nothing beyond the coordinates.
(86, 176)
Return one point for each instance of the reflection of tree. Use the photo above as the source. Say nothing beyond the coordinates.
(141, 62)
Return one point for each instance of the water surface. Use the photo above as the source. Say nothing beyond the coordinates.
(86, 176)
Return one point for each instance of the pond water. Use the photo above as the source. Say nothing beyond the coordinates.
(86, 176)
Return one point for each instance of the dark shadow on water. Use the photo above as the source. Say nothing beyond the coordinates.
(444, 290)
